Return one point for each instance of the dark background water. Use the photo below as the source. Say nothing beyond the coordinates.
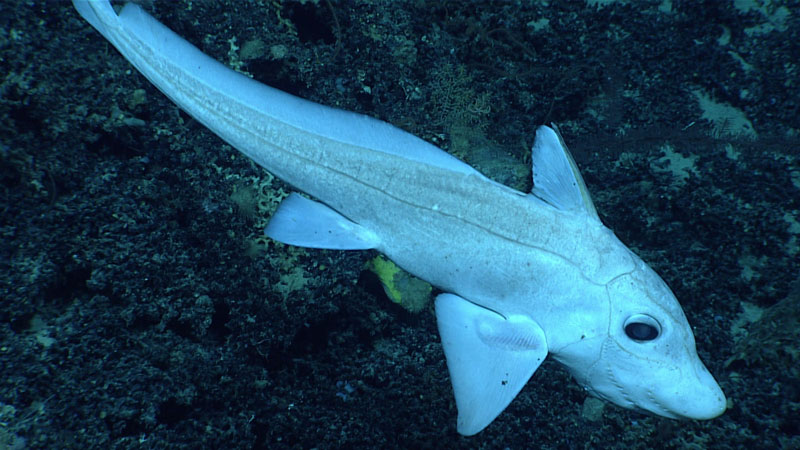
(141, 307)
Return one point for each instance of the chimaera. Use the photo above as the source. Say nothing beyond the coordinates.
(525, 274)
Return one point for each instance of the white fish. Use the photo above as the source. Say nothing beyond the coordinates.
(527, 275)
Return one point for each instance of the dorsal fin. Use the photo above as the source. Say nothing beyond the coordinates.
(556, 178)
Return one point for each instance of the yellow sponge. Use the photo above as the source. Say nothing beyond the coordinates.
(400, 286)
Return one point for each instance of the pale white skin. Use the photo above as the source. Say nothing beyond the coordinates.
(533, 273)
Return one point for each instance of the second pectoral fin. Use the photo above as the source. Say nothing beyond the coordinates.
(306, 223)
(490, 358)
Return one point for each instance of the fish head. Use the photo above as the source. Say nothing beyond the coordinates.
(646, 359)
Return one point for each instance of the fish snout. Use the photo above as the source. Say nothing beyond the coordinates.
(697, 397)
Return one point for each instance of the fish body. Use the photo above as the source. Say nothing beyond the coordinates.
(524, 274)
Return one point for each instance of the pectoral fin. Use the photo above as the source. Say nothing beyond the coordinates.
(490, 358)
(306, 223)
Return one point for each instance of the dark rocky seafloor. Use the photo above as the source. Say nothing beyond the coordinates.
(141, 307)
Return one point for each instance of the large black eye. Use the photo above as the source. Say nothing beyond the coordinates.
(642, 328)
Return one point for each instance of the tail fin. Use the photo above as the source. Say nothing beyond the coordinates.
(100, 14)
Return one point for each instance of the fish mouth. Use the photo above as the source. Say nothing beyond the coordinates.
(658, 408)
(700, 398)
(654, 406)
